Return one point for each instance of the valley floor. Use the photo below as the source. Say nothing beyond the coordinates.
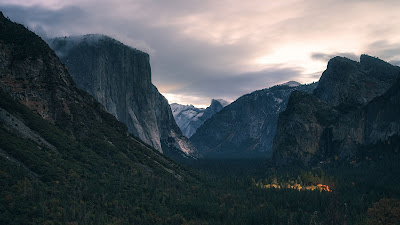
(91, 181)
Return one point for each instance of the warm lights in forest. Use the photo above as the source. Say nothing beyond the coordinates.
(318, 187)
(324, 187)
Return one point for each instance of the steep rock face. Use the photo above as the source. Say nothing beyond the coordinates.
(308, 116)
(350, 82)
(382, 116)
(246, 127)
(119, 77)
(189, 118)
(31, 73)
(364, 116)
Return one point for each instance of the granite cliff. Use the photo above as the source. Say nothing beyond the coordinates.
(246, 127)
(189, 118)
(355, 104)
(355, 83)
(119, 77)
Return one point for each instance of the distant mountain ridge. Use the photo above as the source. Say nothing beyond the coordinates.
(246, 127)
(119, 77)
(189, 118)
(354, 105)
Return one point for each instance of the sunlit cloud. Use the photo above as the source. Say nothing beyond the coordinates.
(203, 49)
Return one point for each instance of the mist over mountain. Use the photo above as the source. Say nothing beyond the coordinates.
(189, 118)
(246, 127)
(119, 77)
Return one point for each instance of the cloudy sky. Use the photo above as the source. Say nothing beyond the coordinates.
(204, 49)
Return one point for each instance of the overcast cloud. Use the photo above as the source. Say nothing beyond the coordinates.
(203, 49)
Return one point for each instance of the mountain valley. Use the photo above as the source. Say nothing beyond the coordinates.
(86, 138)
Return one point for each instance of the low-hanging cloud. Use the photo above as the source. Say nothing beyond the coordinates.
(325, 57)
(205, 49)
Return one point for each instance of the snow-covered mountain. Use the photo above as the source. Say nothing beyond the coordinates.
(189, 118)
(291, 83)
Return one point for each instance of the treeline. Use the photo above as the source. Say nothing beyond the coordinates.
(90, 181)
(362, 193)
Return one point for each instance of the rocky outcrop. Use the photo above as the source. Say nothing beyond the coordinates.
(246, 127)
(360, 107)
(119, 77)
(355, 83)
(189, 118)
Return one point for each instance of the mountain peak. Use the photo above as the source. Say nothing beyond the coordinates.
(339, 64)
(220, 101)
(382, 69)
(365, 58)
(291, 84)
(358, 107)
(189, 118)
(62, 45)
(350, 82)
(371, 61)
